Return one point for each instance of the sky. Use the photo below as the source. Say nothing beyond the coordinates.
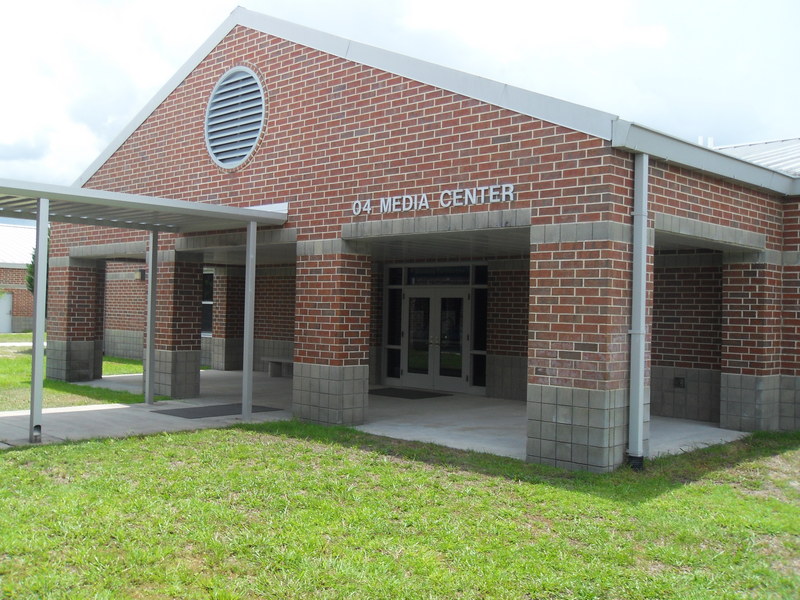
(75, 72)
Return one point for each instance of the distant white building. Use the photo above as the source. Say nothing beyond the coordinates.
(16, 302)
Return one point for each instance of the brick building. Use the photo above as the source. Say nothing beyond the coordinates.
(442, 232)
(16, 302)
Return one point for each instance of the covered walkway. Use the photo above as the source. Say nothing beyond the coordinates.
(459, 421)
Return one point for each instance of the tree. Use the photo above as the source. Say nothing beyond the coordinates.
(30, 276)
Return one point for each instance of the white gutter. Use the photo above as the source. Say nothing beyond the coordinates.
(636, 138)
(638, 313)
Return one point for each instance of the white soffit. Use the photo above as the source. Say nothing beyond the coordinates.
(19, 200)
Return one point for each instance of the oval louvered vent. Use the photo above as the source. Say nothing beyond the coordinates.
(235, 117)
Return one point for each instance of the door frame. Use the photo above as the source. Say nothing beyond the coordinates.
(434, 380)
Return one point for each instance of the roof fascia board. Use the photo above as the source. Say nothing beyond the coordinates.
(260, 215)
(547, 108)
(638, 139)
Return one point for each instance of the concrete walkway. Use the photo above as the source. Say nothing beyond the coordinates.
(120, 420)
(459, 421)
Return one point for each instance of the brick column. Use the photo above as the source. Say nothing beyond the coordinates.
(332, 334)
(578, 348)
(228, 325)
(275, 325)
(75, 294)
(751, 344)
(178, 312)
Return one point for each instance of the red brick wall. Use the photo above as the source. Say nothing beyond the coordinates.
(22, 304)
(75, 304)
(580, 314)
(790, 333)
(507, 313)
(180, 287)
(751, 319)
(676, 191)
(338, 131)
(228, 310)
(333, 310)
(687, 312)
(126, 306)
(275, 307)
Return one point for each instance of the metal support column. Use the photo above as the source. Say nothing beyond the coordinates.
(249, 322)
(150, 353)
(39, 309)
(638, 312)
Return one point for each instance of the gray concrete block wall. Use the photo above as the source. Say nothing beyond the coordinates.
(268, 352)
(225, 354)
(750, 402)
(698, 399)
(507, 377)
(789, 404)
(74, 361)
(20, 324)
(579, 429)
(123, 343)
(330, 394)
(207, 351)
(375, 365)
(177, 373)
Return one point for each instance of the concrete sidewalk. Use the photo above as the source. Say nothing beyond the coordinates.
(458, 421)
(120, 420)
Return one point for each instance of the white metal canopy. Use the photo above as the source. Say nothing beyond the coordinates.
(19, 200)
(42, 202)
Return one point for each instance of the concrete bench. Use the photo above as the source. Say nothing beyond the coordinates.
(277, 366)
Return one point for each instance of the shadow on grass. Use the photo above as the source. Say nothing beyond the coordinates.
(623, 485)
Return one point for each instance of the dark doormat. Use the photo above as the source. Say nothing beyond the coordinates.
(213, 410)
(407, 394)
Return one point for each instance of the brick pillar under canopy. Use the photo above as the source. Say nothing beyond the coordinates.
(750, 385)
(578, 352)
(75, 296)
(228, 319)
(332, 335)
(178, 314)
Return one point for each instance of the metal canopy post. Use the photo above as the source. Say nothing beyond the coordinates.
(150, 353)
(39, 306)
(249, 321)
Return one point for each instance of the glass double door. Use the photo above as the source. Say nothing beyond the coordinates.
(435, 330)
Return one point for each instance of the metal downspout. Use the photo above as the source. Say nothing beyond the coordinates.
(638, 313)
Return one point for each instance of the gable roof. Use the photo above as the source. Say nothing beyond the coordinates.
(622, 134)
(16, 245)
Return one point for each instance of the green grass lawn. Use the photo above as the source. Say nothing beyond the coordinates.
(16, 337)
(15, 377)
(288, 510)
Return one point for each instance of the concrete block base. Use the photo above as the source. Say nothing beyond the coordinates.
(579, 429)
(227, 354)
(74, 361)
(750, 402)
(177, 373)
(789, 405)
(331, 395)
(124, 344)
(683, 393)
